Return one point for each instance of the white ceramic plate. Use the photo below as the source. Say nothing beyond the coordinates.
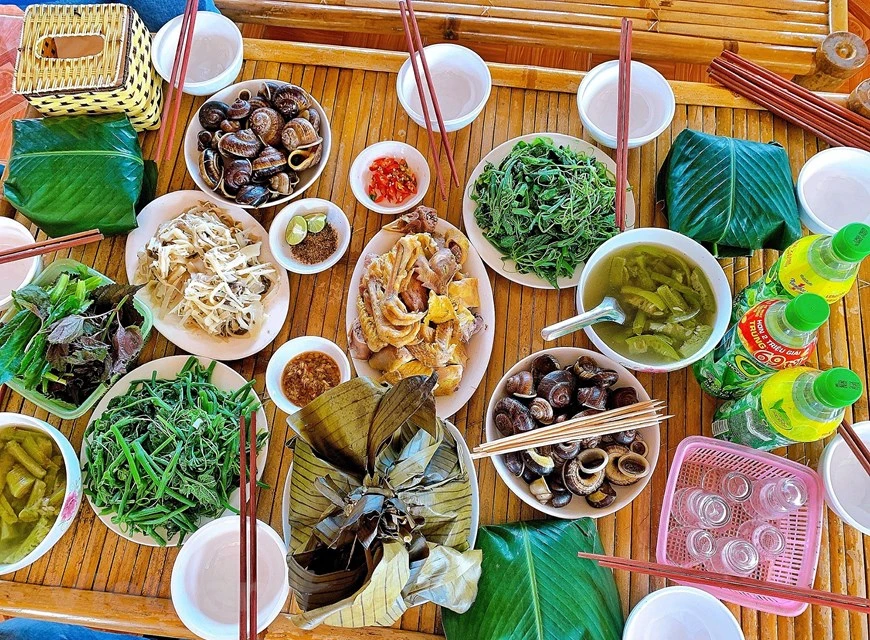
(228, 95)
(464, 453)
(578, 507)
(194, 340)
(223, 378)
(491, 256)
(480, 345)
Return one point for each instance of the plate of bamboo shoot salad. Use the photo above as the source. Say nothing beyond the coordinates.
(160, 455)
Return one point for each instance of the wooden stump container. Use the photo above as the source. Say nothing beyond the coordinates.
(840, 56)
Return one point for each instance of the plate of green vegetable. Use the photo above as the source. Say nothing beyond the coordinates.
(537, 206)
(160, 455)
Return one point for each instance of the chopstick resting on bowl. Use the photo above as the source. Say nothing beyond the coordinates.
(172, 103)
(634, 416)
(856, 444)
(248, 530)
(48, 246)
(737, 583)
(623, 106)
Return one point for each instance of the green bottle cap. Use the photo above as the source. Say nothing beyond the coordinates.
(852, 242)
(807, 312)
(838, 387)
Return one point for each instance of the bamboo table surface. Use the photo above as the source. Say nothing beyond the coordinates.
(94, 577)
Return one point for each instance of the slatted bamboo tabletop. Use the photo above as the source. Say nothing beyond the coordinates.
(93, 577)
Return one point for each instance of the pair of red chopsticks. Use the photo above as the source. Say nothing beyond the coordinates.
(50, 245)
(248, 531)
(415, 47)
(623, 106)
(854, 442)
(176, 81)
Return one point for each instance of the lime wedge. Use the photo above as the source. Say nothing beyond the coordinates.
(316, 222)
(296, 230)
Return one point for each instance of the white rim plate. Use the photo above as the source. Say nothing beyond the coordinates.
(195, 340)
(489, 253)
(223, 378)
(480, 345)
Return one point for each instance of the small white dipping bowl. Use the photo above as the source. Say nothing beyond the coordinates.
(17, 274)
(72, 498)
(833, 189)
(277, 233)
(672, 241)
(291, 349)
(360, 176)
(651, 110)
(462, 83)
(216, 54)
(681, 613)
(205, 579)
(847, 486)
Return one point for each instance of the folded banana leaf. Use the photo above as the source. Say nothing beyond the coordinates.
(733, 196)
(75, 173)
(380, 507)
(533, 586)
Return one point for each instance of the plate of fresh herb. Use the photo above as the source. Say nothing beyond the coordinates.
(160, 455)
(537, 206)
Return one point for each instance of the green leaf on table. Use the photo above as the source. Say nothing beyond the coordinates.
(534, 587)
(34, 299)
(733, 196)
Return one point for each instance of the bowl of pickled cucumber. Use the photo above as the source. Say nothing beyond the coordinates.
(675, 296)
(40, 489)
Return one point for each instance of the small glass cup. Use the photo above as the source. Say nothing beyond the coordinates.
(698, 544)
(775, 498)
(734, 556)
(695, 507)
(765, 537)
(734, 486)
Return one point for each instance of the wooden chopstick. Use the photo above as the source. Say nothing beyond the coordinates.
(252, 528)
(749, 585)
(623, 106)
(48, 246)
(243, 534)
(436, 150)
(444, 139)
(856, 444)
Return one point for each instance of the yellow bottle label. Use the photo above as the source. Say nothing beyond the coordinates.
(796, 275)
(782, 413)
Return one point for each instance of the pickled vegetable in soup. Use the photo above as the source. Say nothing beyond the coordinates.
(667, 299)
(32, 488)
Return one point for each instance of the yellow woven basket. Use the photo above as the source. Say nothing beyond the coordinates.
(116, 78)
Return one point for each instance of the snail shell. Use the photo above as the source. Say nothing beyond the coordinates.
(538, 462)
(579, 483)
(259, 102)
(639, 447)
(602, 497)
(592, 460)
(283, 183)
(203, 140)
(625, 437)
(634, 466)
(267, 124)
(212, 113)
(517, 413)
(557, 388)
(541, 491)
(520, 385)
(592, 397)
(313, 116)
(211, 167)
(290, 100)
(542, 365)
(239, 109)
(242, 144)
(270, 162)
(605, 378)
(237, 173)
(305, 156)
(541, 410)
(298, 132)
(514, 463)
(566, 451)
(253, 195)
(585, 368)
(622, 397)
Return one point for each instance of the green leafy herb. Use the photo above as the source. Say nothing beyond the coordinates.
(164, 455)
(547, 208)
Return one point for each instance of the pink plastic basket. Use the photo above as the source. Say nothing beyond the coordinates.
(802, 529)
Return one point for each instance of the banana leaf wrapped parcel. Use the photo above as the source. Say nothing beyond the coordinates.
(380, 507)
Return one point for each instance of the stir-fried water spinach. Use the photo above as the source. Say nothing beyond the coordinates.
(547, 208)
(165, 454)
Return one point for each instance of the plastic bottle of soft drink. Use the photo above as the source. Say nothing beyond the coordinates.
(773, 335)
(826, 265)
(800, 404)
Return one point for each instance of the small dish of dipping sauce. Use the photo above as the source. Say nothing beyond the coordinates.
(303, 369)
(309, 235)
(382, 164)
(19, 273)
(833, 189)
(650, 112)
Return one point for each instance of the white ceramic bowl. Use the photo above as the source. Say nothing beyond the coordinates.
(72, 498)
(676, 613)
(360, 175)
(833, 189)
(578, 507)
(652, 103)
(216, 53)
(290, 350)
(462, 83)
(14, 234)
(687, 247)
(847, 486)
(228, 95)
(205, 579)
(281, 250)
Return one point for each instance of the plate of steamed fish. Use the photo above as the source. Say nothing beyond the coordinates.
(420, 302)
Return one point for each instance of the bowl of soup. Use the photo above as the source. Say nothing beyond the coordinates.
(675, 296)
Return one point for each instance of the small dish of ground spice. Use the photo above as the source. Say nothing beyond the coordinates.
(309, 236)
(303, 369)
